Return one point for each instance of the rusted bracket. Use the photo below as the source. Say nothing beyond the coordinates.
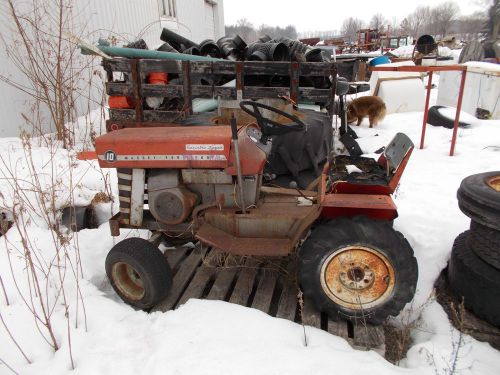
(239, 80)
(294, 81)
(136, 78)
(186, 82)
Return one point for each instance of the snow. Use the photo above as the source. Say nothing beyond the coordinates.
(406, 52)
(208, 337)
(450, 112)
(484, 66)
(403, 51)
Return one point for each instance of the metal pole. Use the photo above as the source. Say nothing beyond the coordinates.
(234, 131)
(457, 114)
(426, 109)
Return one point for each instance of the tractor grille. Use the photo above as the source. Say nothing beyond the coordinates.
(125, 194)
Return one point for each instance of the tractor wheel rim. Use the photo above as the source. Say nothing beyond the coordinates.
(494, 182)
(357, 277)
(128, 281)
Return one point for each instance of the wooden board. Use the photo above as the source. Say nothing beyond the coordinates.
(181, 279)
(287, 306)
(259, 285)
(265, 290)
(310, 316)
(244, 285)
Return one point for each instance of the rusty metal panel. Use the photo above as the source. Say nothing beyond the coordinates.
(206, 176)
(207, 192)
(358, 201)
(374, 206)
(270, 220)
(219, 239)
(250, 185)
(225, 194)
(251, 224)
(114, 225)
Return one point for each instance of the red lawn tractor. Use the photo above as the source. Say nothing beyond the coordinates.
(256, 179)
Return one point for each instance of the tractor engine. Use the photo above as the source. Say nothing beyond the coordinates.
(172, 170)
(169, 201)
(173, 194)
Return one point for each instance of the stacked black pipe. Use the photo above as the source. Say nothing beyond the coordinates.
(236, 49)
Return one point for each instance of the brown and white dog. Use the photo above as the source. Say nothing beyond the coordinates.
(371, 106)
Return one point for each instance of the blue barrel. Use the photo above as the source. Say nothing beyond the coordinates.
(379, 60)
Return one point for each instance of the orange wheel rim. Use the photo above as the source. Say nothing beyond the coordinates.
(494, 182)
(357, 277)
(128, 281)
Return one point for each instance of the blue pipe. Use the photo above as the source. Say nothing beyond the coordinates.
(133, 53)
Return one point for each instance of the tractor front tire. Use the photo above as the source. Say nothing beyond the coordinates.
(139, 272)
(357, 269)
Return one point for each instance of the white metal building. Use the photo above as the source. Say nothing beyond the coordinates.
(125, 20)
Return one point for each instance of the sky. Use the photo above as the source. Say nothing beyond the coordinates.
(309, 15)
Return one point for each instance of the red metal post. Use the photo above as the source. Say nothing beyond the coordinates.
(457, 114)
(426, 109)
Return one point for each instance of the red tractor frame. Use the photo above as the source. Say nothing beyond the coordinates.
(207, 181)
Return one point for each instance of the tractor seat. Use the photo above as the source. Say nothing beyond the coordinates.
(372, 172)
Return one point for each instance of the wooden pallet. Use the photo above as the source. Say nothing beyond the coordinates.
(268, 286)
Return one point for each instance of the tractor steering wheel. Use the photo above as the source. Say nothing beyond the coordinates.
(270, 127)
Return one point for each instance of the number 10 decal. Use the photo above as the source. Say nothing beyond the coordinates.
(110, 156)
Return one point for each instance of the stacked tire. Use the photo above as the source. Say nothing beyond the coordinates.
(474, 266)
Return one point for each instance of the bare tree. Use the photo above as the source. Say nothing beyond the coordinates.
(50, 66)
(443, 15)
(290, 32)
(494, 20)
(394, 28)
(470, 27)
(378, 21)
(415, 23)
(244, 28)
(350, 27)
(247, 31)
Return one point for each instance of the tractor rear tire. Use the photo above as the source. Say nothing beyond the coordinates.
(475, 280)
(479, 198)
(139, 272)
(358, 269)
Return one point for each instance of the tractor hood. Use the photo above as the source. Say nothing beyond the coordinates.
(168, 147)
